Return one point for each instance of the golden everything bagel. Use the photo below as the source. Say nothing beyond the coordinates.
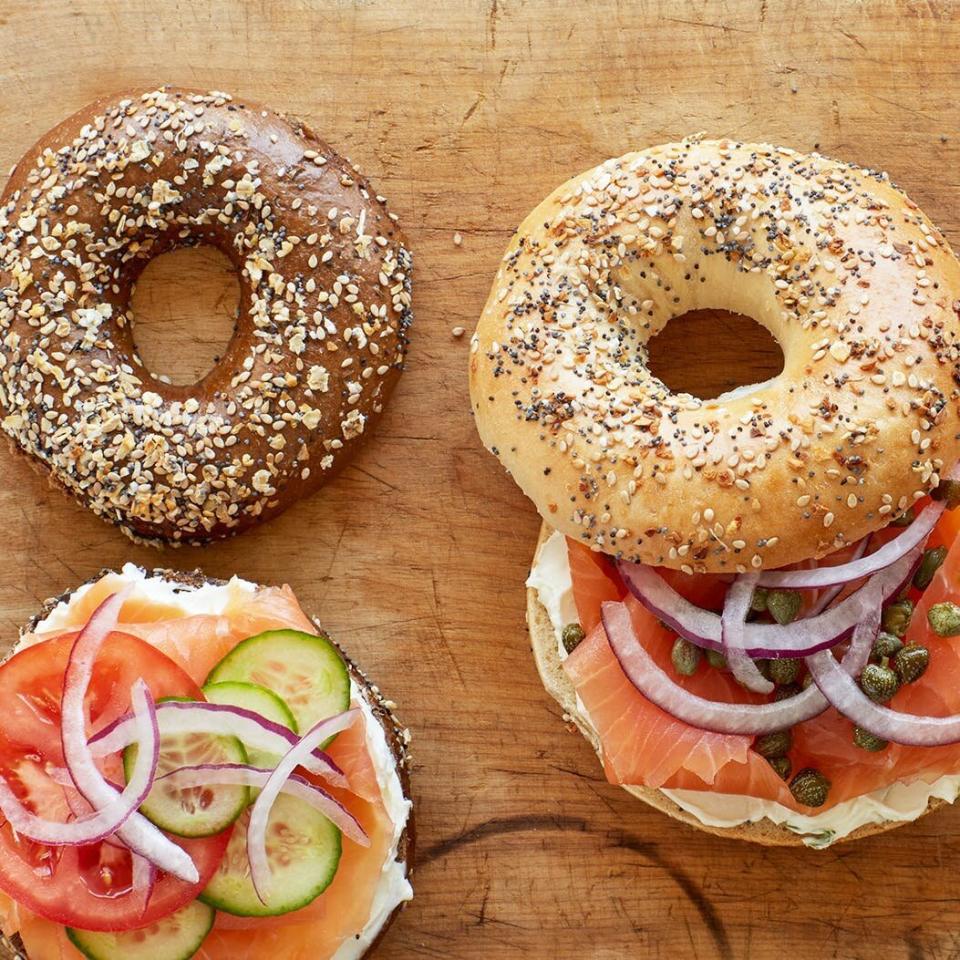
(324, 278)
(857, 286)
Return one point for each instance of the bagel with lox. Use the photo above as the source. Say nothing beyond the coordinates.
(747, 604)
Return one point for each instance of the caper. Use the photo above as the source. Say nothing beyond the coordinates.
(685, 656)
(784, 671)
(944, 619)
(787, 691)
(716, 660)
(896, 617)
(867, 741)
(774, 744)
(781, 766)
(810, 787)
(911, 662)
(571, 635)
(879, 683)
(784, 605)
(905, 518)
(929, 565)
(886, 645)
(948, 490)
(759, 602)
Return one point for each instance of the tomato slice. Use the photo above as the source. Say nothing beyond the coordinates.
(87, 887)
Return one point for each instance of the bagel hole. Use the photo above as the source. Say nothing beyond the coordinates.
(185, 307)
(710, 352)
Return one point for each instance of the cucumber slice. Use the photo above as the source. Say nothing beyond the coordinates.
(303, 847)
(251, 696)
(192, 811)
(305, 671)
(176, 937)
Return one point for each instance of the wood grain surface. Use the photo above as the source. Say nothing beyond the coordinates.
(466, 115)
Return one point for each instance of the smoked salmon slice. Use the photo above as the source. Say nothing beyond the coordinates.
(642, 743)
(594, 580)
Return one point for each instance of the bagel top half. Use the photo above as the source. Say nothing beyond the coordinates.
(858, 287)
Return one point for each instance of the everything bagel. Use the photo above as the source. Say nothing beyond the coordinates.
(321, 334)
(850, 277)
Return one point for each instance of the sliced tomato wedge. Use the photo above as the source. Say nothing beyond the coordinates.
(87, 887)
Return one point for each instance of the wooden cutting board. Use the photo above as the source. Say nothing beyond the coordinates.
(465, 115)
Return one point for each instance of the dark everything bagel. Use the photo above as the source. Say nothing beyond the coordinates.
(320, 338)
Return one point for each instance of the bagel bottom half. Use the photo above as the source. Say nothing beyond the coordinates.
(395, 735)
(543, 641)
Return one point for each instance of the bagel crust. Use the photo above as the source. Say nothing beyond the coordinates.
(324, 275)
(857, 286)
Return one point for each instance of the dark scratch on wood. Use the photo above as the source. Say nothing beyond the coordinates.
(472, 108)
(708, 912)
(492, 23)
(902, 106)
(853, 38)
(725, 27)
(580, 775)
(616, 839)
(499, 826)
(438, 622)
(372, 476)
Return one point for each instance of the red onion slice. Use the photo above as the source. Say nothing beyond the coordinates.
(744, 719)
(144, 879)
(217, 719)
(734, 718)
(231, 774)
(825, 600)
(260, 872)
(797, 639)
(864, 635)
(831, 593)
(138, 833)
(826, 576)
(98, 825)
(736, 606)
(80, 808)
(843, 693)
